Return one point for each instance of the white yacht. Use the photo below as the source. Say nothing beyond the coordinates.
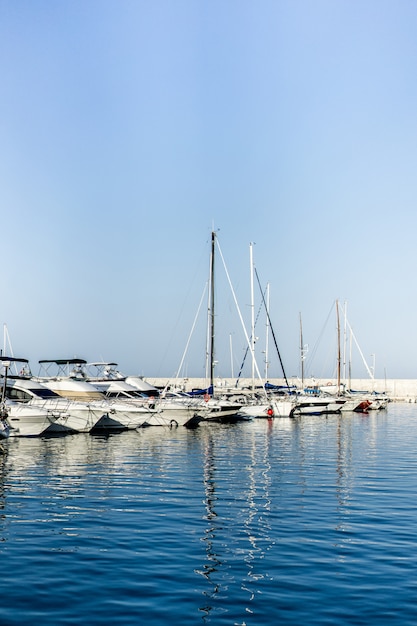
(75, 416)
(169, 410)
(70, 382)
(24, 420)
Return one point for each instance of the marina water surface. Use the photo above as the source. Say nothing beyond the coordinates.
(288, 521)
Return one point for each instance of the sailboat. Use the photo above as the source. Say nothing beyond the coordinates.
(314, 401)
(360, 401)
(218, 409)
(268, 404)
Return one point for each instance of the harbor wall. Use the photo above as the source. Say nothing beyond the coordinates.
(401, 390)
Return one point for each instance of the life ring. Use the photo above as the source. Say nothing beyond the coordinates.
(206, 397)
(329, 384)
(173, 424)
(270, 412)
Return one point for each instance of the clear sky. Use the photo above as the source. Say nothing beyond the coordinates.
(129, 129)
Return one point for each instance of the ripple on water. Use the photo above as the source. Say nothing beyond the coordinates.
(309, 520)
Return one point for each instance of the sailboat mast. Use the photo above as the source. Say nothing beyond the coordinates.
(252, 345)
(213, 245)
(338, 347)
(267, 333)
(302, 352)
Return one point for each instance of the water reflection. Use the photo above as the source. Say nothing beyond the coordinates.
(213, 562)
(3, 478)
(238, 475)
(249, 524)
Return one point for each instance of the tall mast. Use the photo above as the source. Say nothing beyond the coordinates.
(267, 333)
(252, 304)
(302, 352)
(213, 244)
(338, 347)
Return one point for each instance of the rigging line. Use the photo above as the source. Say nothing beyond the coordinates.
(177, 375)
(371, 375)
(314, 350)
(239, 313)
(272, 330)
(191, 332)
(247, 348)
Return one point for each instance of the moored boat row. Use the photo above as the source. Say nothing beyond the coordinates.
(76, 399)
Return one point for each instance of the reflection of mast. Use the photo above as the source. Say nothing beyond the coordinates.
(210, 534)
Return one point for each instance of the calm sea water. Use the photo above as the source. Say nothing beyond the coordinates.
(305, 521)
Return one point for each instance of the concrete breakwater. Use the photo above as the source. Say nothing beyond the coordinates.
(400, 390)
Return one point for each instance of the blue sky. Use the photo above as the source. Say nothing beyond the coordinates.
(129, 129)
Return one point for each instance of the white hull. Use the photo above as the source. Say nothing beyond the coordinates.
(274, 408)
(222, 411)
(255, 410)
(317, 405)
(282, 408)
(29, 421)
(174, 417)
(81, 418)
(125, 415)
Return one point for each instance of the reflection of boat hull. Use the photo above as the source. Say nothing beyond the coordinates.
(4, 429)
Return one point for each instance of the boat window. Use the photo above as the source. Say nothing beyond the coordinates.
(17, 394)
(44, 393)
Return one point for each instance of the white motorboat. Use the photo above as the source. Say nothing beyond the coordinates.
(23, 420)
(169, 410)
(75, 416)
(107, 370)
(66, 378)
(70, 382)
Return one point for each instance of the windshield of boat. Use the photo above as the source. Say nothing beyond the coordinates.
(133, 395)
(25, 395)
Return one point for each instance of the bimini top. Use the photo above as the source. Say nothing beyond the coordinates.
(64, 361)
(13, 359)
